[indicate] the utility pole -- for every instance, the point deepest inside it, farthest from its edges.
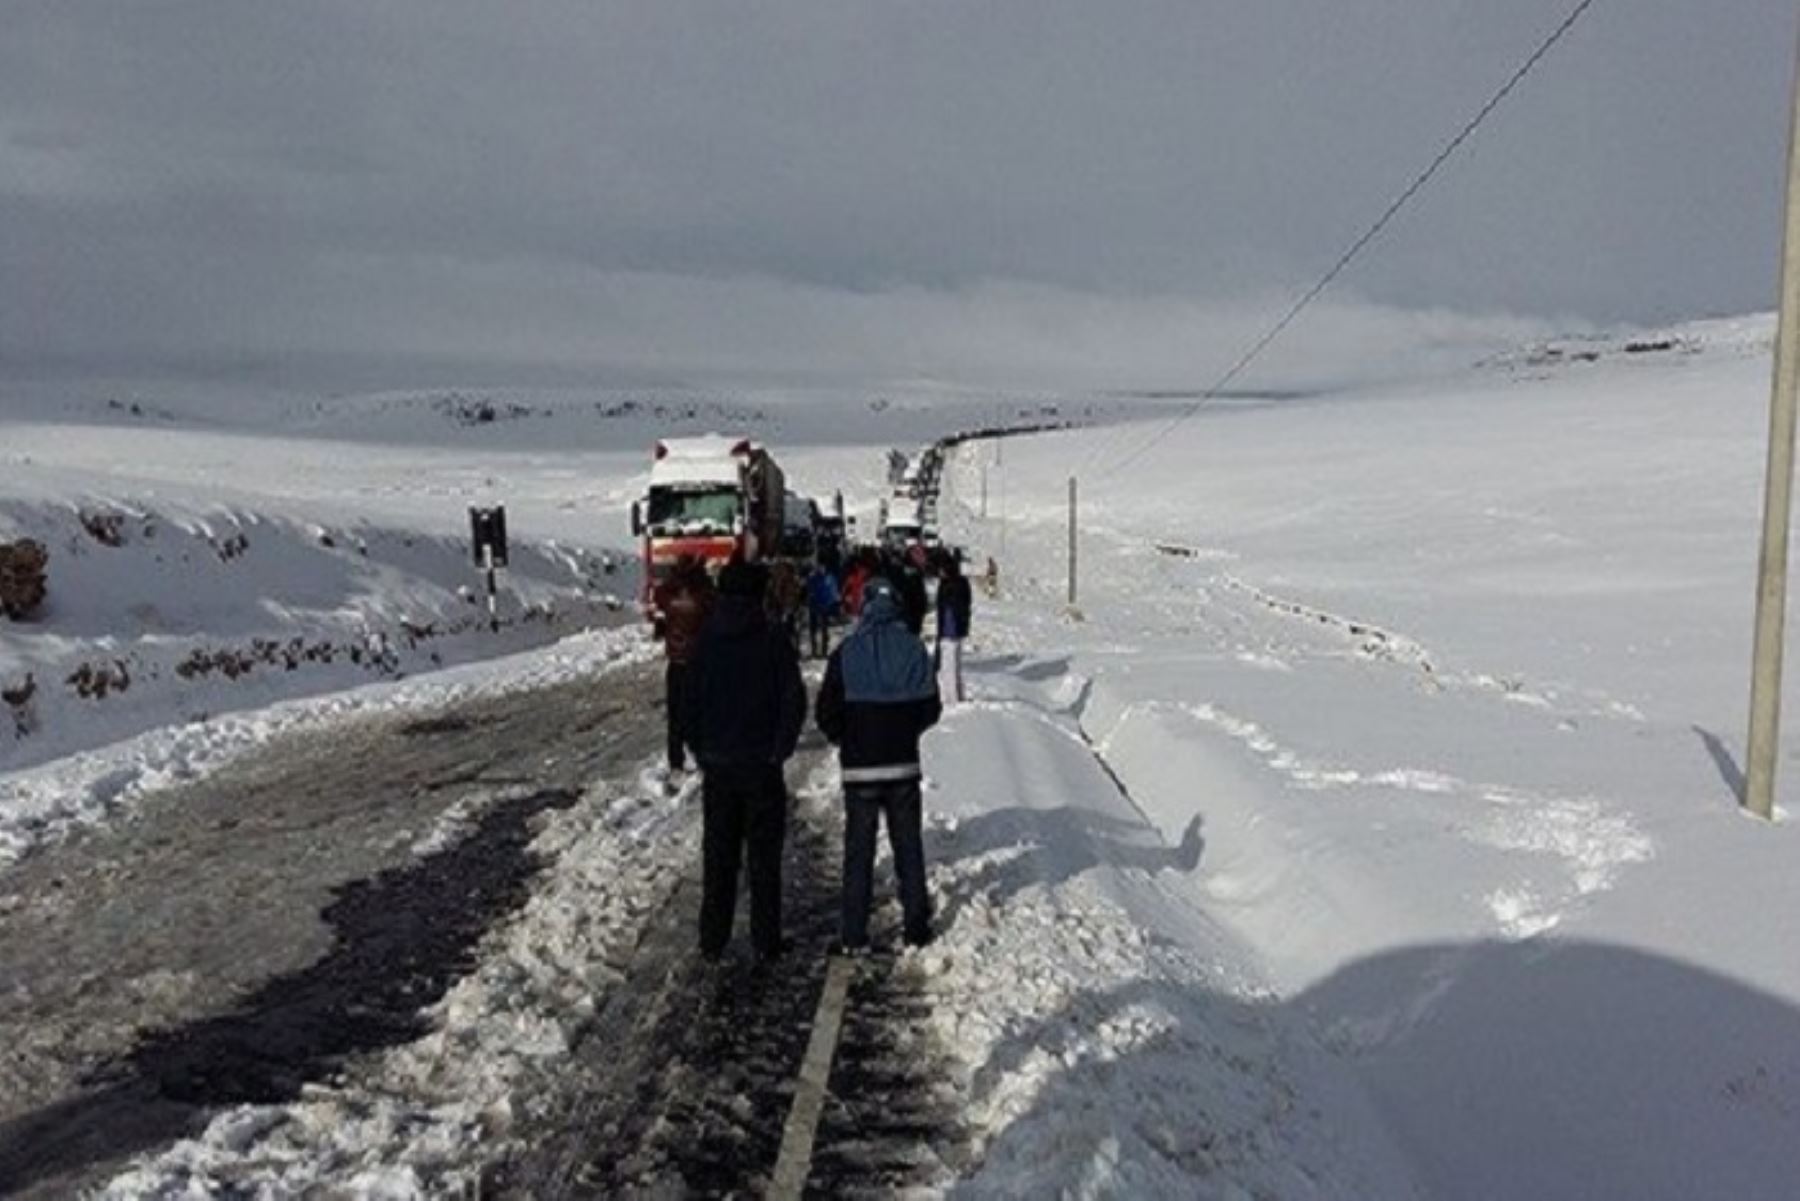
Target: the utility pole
(1771, 590)
(1071, 542)
(998, 443)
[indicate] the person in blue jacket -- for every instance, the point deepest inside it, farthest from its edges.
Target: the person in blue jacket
(878, 699)
(822, 601)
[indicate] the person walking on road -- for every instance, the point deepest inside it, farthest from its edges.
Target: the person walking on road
(684, 600)
(821, 608)
(955, 604)
(746, 704)
(879, 697)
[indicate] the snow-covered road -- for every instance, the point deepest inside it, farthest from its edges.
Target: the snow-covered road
(403, 954)
(437, 948)
(247, 935)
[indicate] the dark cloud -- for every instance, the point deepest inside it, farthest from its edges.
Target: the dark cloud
(193, 177)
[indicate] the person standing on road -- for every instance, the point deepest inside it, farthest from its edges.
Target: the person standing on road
(955, 604)
(821, 608)
(879, 697)
(909, 585)
(746, 704)
(684, 600)
(858, 575)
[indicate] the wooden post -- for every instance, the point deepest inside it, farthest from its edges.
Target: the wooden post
(1771, 590)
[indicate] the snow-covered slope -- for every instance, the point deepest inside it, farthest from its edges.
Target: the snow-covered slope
(1448, 682)
(160, 614)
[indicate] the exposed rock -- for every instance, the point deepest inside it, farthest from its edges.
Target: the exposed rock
(24, 578)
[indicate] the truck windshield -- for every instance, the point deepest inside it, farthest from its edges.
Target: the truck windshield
(696, 511)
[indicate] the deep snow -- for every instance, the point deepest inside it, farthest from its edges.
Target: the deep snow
(1453, 676)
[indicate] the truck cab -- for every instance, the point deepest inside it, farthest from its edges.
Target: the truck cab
(712, 497)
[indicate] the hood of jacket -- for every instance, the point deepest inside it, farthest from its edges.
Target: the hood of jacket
(883, 661)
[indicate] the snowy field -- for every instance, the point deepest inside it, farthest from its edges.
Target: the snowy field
(1434, 697)
(1368, 830)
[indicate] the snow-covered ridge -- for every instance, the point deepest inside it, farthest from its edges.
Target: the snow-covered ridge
(482, 420)
(1721, 337)
(159, 613)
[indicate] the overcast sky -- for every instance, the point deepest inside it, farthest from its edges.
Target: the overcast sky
(912, 187)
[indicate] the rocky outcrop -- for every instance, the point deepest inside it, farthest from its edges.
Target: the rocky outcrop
(24, 578)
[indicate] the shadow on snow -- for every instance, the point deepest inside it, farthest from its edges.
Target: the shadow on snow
(1541, 1069)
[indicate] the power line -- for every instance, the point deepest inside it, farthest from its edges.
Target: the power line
(1356, 248)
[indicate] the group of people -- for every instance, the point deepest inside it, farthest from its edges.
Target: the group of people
(837, 595)
(736, 699)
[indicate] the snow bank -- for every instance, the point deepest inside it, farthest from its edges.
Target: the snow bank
(1116, 1042)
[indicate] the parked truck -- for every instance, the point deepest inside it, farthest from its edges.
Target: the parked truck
(800, 535)
(712, 497)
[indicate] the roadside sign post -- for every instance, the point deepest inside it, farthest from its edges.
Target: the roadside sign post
(487, 532)
(1771, 589)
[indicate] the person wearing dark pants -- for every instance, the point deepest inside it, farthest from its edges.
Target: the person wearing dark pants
(878, 699)
(955, 603)
(675, 690)
(743, 705)
(865, 806)
(683, 601)
(744, 807)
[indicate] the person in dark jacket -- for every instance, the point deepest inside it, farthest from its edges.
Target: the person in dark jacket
(746, 704)
(879, 697)
(955, 606)
(684, 601)
(909, 586)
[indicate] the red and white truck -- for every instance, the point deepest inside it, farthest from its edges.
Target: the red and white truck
(713, 497)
